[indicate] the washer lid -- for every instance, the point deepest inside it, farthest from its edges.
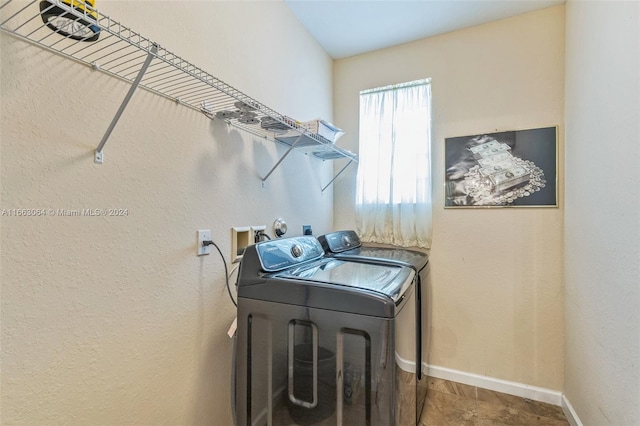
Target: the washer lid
(347, 245)
(413, 258)
(389, 280)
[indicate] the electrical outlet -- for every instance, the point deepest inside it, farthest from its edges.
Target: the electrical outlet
(204, 235)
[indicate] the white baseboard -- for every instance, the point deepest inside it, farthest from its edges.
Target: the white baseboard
(405, 364)
(569, 412)
(512, 388)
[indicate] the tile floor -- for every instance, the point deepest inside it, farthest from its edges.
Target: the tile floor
(455, 404)
(452, 404)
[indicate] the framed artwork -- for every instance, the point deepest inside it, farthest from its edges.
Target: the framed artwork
(516, 168)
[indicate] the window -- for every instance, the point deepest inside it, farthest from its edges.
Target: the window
(393, 193)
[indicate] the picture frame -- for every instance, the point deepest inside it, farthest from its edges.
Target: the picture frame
(517, 168)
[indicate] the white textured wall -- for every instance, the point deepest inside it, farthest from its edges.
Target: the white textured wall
(602, 216)
(497, 273)
(114, 320)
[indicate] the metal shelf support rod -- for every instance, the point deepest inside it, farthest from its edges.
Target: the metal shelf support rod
(336, 176)
(98, 154)
(282, 158)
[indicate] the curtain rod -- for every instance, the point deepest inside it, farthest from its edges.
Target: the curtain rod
(421, 82)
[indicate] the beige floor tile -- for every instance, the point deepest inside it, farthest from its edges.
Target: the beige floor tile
(453, 388)
(455, 409)
(454, 404)
(450, 403)
(500, 415)
(520, 404)
(547, 410)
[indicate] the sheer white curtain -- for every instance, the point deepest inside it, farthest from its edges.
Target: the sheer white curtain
(393, 194)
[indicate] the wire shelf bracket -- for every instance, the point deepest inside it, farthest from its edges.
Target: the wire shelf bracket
(337, 174)
(131, 57)
(99, 157)
(293, 145)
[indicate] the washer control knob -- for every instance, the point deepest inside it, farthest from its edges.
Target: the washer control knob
(346, 241)
(296, 250)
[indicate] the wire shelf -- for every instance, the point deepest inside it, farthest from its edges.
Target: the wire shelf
(126, 54)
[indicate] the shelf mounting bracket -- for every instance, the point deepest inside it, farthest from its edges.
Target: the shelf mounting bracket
(99, 157)
(337, 174)
(264, 179)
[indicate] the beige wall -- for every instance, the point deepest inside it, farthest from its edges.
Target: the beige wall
(497, 307)
(114, 320)
(602, 231)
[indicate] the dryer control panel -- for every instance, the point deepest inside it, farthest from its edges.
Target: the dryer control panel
(337, 242)
(276, 255)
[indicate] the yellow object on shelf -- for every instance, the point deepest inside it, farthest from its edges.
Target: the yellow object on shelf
(66, 23)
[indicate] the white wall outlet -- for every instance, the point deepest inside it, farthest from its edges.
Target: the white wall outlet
(204, 235)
